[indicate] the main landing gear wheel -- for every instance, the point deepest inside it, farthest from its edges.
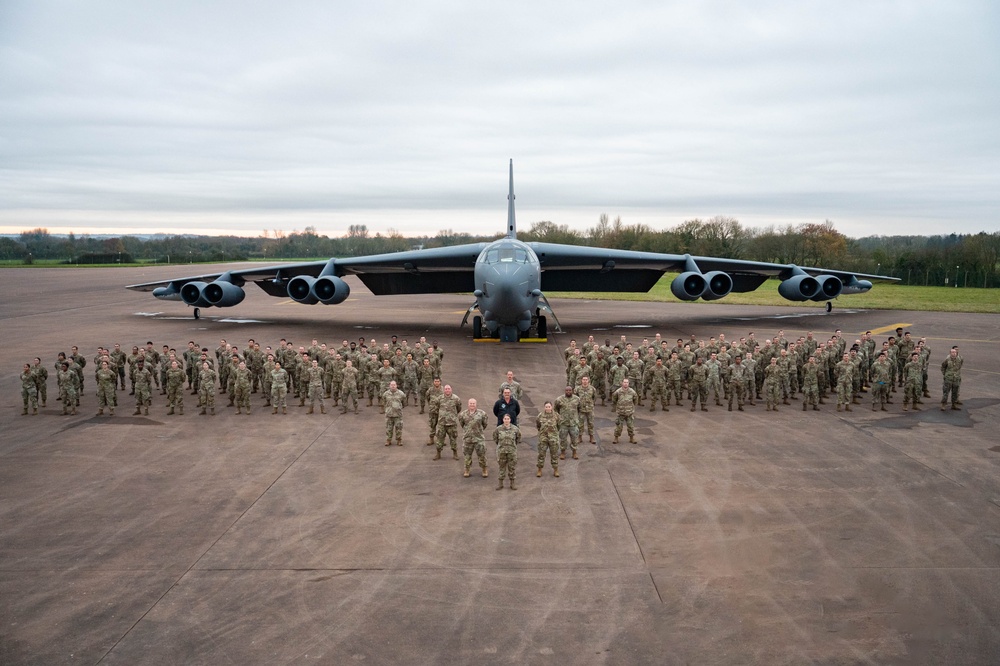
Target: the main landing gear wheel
(829, 306)
(197, 313)
(477, 327)
(543, 329)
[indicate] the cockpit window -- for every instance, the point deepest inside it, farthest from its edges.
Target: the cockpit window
(506, 255)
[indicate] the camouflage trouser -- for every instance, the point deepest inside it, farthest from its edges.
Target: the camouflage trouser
(844, 394)
(143, 396)
(279, 392)
(810, 394)
(422, 391)
(573, 432)
(393, 427)
(242, 395)
(372, 390)
(627, 420)
(699, 391)
(772, 392)
(410, 388)
(737, 390)
(316, 393)
(335, 388)
(600, 387)
(659, 392)
(175, 394)
(432, 419)
(68, 396)
(950, 390)
(507, 459)
(106, 395)
(587, 419)
(30, 397)
(445, 431)
(880, 393)
(911, 391)
(548, 443)
(792, 383)
(43, 392)
(206, 395)
(477, 445)
(715, 387)
(675, 389)
(349, 392)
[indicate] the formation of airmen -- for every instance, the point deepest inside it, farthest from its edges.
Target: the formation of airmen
(744, 371)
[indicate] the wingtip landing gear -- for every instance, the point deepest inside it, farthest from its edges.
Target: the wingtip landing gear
(197, 313)
(829, 306)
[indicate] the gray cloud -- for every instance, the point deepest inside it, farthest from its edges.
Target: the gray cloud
(879, 116)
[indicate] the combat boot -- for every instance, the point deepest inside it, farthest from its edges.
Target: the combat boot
(555, 471)
(302, 402)
(312, 409)
(785, 402)
(100, 412)
(804, 405)
(73, 412)
(399, 441)
(180, 410)
(838, 407)
(170, 411)
(500, 485)
(111, 411)
(915, 408)
(388, 442)
(344, 409)
(816, 408)
(213, 411)
(454, 454)
(576, 455)
(65, 411)
(465, 474)
(421, 409)
(239, 411)
(248, 411)
(615, 440)
(631, 439)
(369, 401)
(513, 486)
(284, 410)
(539, 472)
(943, 407)
(847, 407)
(355, 409)
(273, 411)
(592, 441)
(692, 407)
(322, 409)
(704, 408)
(204, 410)
(437, 455)
(485, 473)
(137, 412)
(562, 455)
(24, 412)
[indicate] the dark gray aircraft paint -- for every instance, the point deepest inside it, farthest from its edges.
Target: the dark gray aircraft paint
(509, 278)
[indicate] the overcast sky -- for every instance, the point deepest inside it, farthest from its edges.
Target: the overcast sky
(235, 117)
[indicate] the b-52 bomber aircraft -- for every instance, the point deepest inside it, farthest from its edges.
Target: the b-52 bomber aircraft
(508, 278)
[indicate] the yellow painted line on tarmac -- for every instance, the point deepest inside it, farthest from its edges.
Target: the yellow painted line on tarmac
(887, 329)
(288, 302)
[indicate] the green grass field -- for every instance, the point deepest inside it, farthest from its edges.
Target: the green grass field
(883, 296)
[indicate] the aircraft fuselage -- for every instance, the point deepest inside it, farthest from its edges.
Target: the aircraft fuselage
(508, 278)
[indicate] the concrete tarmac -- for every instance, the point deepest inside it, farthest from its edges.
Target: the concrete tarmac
(719, 538)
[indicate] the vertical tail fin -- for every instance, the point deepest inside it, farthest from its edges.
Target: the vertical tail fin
(511, 225)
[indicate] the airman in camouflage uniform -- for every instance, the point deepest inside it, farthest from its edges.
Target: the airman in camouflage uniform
(516, 390)
(107, 382)
(69, 387)
(349, 386)
(314, 388)
(912, 379)
(881, 376)
(675, 383)
(449, 407)
(393, 400)
(845, 382)
(772, 384)
(567, 406)
(624, 400)
(411, 382)
(635, 370)
(241, 386)
(206, 385)
(279, 389)
(657, 384)
(507, 437)
(29, 391)
(425, 378)
(547, 423)
(41, 375)
(174, 384)
(810, 384)
(698, 383)
(714, 382)
(951, 369)
(737, 383)
(474, 422)
(587, 396)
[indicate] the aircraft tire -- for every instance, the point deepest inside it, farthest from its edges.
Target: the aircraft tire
(543, 328)
(829, 306)
(197, 313)
(477, 327)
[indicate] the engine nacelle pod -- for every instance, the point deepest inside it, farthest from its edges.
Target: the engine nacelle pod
(193, 293)
(717, 285)
(331, 290)
(830, 286)
(799, 288)
(223, 294)
(300, 290)
(688, 286)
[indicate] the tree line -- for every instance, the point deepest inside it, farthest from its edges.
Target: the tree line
(965, 260)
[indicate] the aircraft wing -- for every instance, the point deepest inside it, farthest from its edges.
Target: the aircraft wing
(435, 270)
(584, 268)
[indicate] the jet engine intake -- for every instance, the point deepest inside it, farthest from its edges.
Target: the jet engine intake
(799, 288)
(331, 290)
(830, 286)
(300, 290)
(717, 285)
(193, 293)
(689, 286)
(223, 294)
